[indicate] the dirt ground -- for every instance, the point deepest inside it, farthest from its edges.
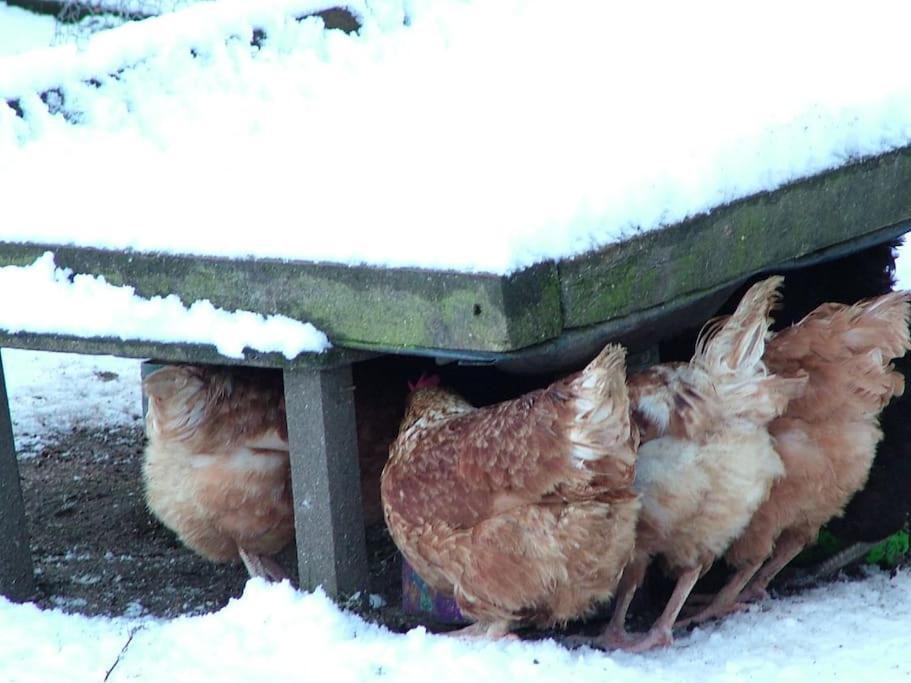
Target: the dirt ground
(96, 548)
(98, 551)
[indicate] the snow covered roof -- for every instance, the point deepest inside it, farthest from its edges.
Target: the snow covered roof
(450, 134)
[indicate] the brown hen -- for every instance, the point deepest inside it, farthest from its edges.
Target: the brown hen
(826, 439)
(523, 511)
(216, 467)
(706, 460)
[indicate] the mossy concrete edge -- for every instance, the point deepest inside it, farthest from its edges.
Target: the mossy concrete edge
(737, 240)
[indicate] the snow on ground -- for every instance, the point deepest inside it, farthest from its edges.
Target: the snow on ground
(843, 631)
(475, 135)
(87, 306)
(53, 393)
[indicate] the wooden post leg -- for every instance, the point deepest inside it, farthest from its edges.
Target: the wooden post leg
(325, 478)
(17, 580)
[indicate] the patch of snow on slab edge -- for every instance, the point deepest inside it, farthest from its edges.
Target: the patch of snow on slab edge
(60, 302)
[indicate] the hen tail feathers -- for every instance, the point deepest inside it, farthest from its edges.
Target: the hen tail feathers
(734, 345)
(601, 428)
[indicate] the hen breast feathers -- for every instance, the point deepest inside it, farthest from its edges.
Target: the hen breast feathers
(524, 511)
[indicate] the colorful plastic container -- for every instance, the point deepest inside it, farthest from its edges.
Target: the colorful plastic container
(420, 599)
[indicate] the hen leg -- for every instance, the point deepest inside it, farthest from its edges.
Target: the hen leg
(786, 549)
(661, 632)
(725, 601)
(733, 597)
(262, 566)
(615, 635)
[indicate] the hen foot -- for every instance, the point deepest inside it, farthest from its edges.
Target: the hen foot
(262, 566)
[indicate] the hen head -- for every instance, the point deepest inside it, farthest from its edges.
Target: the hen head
(429, 403)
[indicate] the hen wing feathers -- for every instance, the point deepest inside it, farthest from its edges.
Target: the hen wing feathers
(569, 442)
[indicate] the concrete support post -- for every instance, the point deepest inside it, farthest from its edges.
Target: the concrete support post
(325, 479)
(17, 580)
